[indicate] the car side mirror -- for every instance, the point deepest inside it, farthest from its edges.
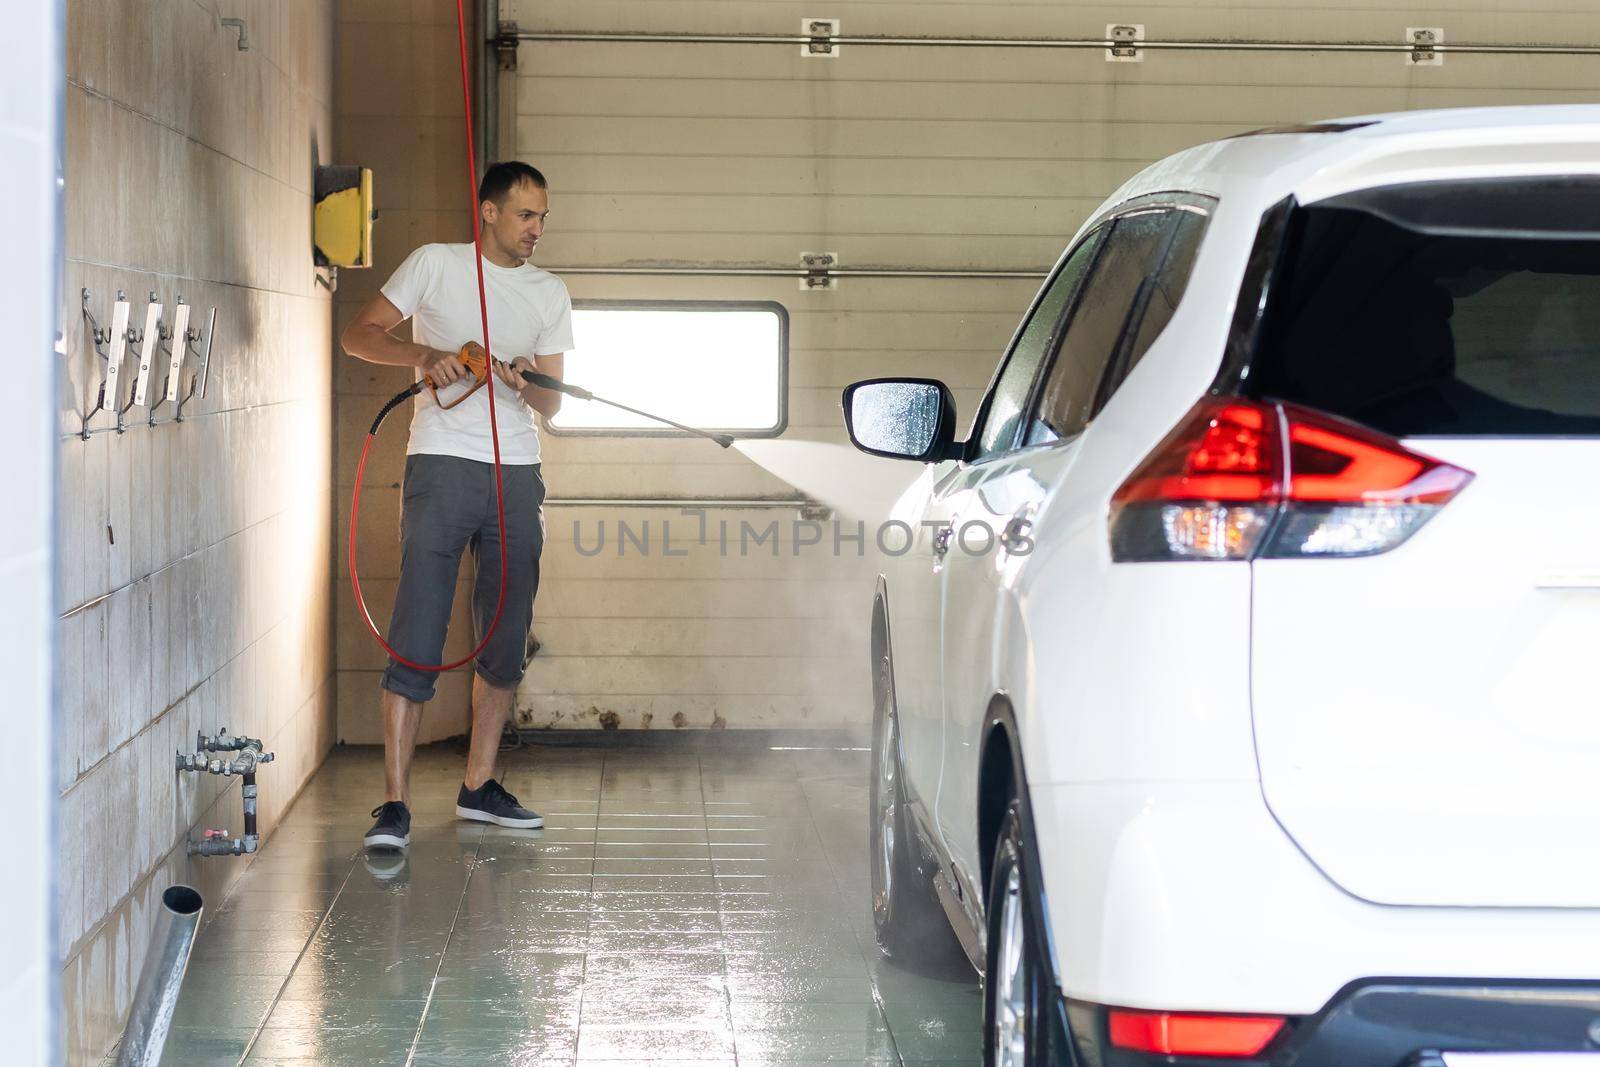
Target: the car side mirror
(901, 418)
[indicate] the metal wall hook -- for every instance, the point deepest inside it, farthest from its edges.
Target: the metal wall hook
(191, 339)
(99, 336)
(175, 345)
(149, 344)
(139, 350)
(131, 338)
(116, 337)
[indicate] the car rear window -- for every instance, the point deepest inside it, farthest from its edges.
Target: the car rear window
(1454, 309)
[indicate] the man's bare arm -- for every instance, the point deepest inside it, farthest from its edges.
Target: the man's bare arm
(545, 401)
(368, 337)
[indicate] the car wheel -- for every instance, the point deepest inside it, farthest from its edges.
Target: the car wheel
(1013, 995)
(904, 910)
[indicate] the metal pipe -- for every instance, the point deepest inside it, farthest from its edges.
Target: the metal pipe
(223, 845)
(161, 979)
(487, 117)
(223, 741)
(88, 604)
(871, 40)
(250, 804)
(245, 764)
(545, 381)
(798, 272)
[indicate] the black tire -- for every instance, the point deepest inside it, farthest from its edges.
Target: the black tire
(1015, 973)
(906, 918)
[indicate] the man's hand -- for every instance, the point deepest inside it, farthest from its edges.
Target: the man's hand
(443, 368)
(511, 373)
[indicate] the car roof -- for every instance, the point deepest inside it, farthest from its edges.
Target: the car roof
(1323, 159)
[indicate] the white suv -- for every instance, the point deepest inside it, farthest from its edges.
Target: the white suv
(1238, 698)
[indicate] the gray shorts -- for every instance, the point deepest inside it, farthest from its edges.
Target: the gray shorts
(448, 505)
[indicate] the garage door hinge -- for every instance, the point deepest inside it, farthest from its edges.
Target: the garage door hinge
(818, 267)
(1425, 44)
(505, 45)
(1125, 43)
(821, 33)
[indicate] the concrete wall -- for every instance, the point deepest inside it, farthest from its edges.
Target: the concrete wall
(194, 556)
(698, 154)
(398, 100)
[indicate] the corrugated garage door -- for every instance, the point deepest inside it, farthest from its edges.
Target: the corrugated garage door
(960, 158)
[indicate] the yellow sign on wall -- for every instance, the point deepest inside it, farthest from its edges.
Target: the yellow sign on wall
(342, 219)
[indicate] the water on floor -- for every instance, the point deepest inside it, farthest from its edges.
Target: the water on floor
(706, 906)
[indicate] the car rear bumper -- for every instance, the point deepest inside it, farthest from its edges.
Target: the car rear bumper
(1190, 897)
(1394, 1023)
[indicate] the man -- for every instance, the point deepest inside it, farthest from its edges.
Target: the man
(448, 501)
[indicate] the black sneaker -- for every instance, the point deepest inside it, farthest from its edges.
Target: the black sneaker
(393, 828)
(491, 803)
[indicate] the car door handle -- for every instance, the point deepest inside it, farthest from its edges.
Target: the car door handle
(941, 540)
(1015, 535)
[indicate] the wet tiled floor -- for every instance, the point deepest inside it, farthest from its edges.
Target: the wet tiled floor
(705, 906)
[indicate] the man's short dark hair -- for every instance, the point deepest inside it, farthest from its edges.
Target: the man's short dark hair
(501, 178)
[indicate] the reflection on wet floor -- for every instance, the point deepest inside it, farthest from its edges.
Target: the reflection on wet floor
(704, 906)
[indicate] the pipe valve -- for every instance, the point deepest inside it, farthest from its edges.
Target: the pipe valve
(222, 741)
(247, 756)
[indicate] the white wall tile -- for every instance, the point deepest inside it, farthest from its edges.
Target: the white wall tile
(192, 634)
(71, 644)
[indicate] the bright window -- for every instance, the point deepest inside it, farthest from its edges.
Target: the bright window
(715, 366)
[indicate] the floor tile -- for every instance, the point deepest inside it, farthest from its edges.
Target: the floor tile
(189, 1046)
(655, 1043)
(678, 907)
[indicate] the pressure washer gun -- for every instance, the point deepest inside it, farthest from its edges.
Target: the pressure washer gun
(479, 369)
(476, 365)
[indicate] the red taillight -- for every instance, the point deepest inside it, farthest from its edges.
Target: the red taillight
(1223, 451)
(1333, 461)
(1222, 485)
(1183, 1034)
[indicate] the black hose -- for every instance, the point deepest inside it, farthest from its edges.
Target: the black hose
(399, 398)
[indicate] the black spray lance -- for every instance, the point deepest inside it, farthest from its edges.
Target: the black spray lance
(544, 381)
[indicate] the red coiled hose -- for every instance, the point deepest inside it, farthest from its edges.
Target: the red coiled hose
(494, 428)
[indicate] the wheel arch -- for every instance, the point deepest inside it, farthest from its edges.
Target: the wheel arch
(1000, 778)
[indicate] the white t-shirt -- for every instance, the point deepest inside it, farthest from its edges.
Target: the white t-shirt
(530, 314)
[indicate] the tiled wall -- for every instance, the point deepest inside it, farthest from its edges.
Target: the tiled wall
(398, 100)
(194, 556)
